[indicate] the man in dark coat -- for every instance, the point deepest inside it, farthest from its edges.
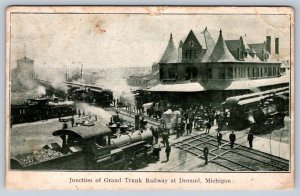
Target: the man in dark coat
(156, 135)
(165, 137)
(65, 125)
(156, 152)
(219, 138)
(232, 139)
(72, 121)
(168, 150)
(250, 138)
(205, 153)
(208, 127)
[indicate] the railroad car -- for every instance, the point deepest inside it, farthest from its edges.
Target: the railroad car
(91, 94)
(41, 109)
(88, 148)
(262, 110)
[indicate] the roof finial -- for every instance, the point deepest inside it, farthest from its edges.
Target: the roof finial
(220, 31)
(245, 34)
(205, 28)
(171, 37)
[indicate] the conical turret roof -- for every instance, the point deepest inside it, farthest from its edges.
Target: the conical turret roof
(170, 54)
(220, 52)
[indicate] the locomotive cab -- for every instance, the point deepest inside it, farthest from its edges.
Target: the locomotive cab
(93, 141)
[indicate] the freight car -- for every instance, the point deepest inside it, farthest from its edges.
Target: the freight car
(262, 110)
(41, 109)
(87, 148)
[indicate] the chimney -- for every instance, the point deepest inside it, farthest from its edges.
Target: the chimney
(276, 45)
(268, 44)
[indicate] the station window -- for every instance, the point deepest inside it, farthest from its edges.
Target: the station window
(270, 71)
(209, 73)
(194, 72)
(161, 74)
(235, 73)
(171, 73)
(188, 54)
(222, 73)
(265, 71)
(248, 74)
(230, 72)
(195, 54)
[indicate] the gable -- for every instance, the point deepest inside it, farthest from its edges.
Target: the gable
(191, 42)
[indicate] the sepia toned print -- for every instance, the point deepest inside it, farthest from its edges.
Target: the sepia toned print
(159, 97)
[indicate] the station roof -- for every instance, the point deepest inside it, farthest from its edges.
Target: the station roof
(84, 132)
(170, 55)
(185, 87)
(220, 52)
(251, 84)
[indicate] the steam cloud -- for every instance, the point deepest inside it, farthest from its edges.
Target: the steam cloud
(88, 109)
(118, 84)
(55, 76)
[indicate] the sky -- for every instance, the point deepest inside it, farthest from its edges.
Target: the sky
(123, 40)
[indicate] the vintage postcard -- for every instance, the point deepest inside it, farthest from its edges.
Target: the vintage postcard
(149, 98)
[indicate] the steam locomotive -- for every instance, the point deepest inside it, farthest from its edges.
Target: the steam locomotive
(88, 148)
(90, 94)
(261, 111)
(41, 109)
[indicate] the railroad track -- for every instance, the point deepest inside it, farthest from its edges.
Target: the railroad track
(240, 158)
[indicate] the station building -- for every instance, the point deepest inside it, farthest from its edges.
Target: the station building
(202, 69)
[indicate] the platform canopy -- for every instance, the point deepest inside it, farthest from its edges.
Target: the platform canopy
(186, 87)
(250, 84)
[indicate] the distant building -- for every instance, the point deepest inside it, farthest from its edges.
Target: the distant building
(25, 69)
(23, 76)
(138, 81)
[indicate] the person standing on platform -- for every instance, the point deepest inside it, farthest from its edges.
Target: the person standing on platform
(250, 138)
(65, 125)
(219, 138)
(205, 153)
(208, 127)
(168, 151)
(191, 126)
(153, 133)
(165, 137)
(72, 121)
(188, 123)
(232, 139)
(156, 135)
